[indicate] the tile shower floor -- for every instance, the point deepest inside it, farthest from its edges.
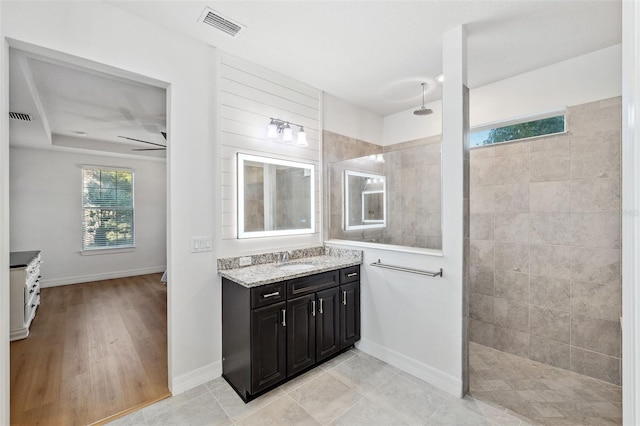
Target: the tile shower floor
(543, 394)
(351, 389)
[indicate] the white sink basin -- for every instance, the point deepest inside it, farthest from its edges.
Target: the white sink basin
(296, 267)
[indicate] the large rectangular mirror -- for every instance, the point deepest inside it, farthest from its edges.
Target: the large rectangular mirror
(365, 200)
(275, 197)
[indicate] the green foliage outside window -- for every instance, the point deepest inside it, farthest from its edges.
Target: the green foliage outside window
(107, 201)
(545, 126)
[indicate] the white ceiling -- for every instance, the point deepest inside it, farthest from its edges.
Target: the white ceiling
(375, 54)
(81, 108)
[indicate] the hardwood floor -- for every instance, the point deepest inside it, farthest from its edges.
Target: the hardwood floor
(94, 350)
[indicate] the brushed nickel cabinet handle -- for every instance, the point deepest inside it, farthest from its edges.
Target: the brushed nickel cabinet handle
(284, 317)
(344, 297)
(313, 308)
(353, 274)
(275, 293)
(321, 311)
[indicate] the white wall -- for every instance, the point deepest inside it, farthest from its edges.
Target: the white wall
(108, 35)
(590, 77)
(45, 187)
(249, 96)
(341, 117)
(631, 213)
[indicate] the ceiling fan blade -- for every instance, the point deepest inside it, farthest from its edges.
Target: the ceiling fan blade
(139, 140)
(149, 149)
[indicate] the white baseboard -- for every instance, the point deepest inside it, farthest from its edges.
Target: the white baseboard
(98, 277)
(438, 378)
(196, 377)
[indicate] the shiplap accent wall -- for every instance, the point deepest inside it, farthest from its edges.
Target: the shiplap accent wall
(248, 96)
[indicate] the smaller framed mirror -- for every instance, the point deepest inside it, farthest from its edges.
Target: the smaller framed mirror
(275, 197)
(365, 200)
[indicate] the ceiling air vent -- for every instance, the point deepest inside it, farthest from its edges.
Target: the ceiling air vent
(19, 116)
(214, 19)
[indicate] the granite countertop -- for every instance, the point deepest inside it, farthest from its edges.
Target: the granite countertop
(266, 273)
(20, 259)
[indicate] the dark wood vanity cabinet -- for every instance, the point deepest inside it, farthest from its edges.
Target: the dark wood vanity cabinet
(293, 326)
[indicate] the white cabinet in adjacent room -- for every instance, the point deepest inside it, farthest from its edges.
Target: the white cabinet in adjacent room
(25, 291)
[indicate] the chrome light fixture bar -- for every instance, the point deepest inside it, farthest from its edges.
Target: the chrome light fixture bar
(280, 130)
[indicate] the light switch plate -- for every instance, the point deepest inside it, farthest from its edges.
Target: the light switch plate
(245, 261)
(200, 244)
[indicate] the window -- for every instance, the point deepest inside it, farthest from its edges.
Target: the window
(107, 208)
(518, 130)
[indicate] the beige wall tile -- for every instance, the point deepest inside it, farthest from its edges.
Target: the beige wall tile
(512, 227)
(551, 261)
(597, 335)
(550, 292)
(595, 195)
(511, 314)
(596, 365)
(596, 300)
(481, 280)
(481, 171)
(549, 352)
(596, 136)
(511, 341)
(550, 165)
(595, 161)
(550, 197)
(512, 285)
(550, 228)
(511, 169)
(550, 143)
(582, 120)
(512, 198)
(481, 332)
(481, 226)
(596, 265)
(595, 230)
(481, 307)
(510, 148)
(481, 253)
(550, 324)
(482, 199)
(512, 257)
(482, 152)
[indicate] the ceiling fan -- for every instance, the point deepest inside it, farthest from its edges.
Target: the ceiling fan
(162, 147)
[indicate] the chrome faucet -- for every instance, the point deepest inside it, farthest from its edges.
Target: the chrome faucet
(283, 256)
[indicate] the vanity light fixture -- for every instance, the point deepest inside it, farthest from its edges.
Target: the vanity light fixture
(280, 130)
(376, 158)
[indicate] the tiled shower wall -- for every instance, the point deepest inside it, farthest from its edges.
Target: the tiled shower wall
(545, 242)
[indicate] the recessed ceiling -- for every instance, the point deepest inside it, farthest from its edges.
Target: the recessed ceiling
(375, 54)
(82, 108)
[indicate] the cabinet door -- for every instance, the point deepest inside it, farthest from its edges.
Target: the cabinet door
(327, 323)
(349, 314)
(268, 346)
(301, 333)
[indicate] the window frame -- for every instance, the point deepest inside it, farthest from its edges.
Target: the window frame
(107, 249)
(520, 120)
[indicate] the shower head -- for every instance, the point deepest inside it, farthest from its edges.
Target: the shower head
(423, 110)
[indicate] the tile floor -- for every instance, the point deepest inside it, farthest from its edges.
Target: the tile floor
(352, 389)
(541, 393)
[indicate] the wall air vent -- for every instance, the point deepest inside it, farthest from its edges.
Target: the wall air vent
(214, 19)
(19, 116)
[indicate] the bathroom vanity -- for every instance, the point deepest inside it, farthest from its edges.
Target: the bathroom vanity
(287, 319)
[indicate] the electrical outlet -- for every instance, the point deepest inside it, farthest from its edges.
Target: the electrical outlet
(245, 261)
(200, 244)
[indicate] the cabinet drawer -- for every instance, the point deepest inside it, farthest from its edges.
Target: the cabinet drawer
(312, 283)
(267, 294)
(351, 274)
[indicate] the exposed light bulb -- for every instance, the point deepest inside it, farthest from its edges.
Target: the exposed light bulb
(440, 78)
(287, 133)
(369, 181)
(379, 158)
(302, 137)
(272, 130)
